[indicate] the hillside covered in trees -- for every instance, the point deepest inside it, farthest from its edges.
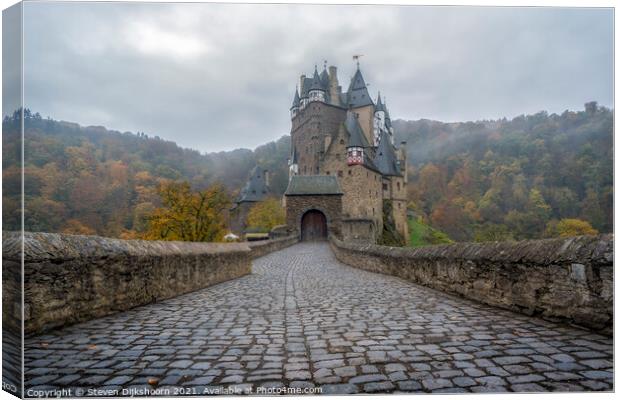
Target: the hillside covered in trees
(487, 180)
(92, 180)
(512, 179)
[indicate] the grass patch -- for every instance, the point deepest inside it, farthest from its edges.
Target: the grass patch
(421, 234)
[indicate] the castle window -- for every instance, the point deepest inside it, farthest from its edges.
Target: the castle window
(350, 172)
(398, 185)
(327, 172)
(385, 186)
(340, 174)
(341, 141)
(398, 205)
(317, 170)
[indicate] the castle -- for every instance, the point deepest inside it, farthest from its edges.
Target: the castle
(346, 176)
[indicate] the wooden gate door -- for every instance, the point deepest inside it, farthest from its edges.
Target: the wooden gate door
(313, 226)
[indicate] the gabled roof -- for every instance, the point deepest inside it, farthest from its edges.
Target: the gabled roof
(357, 95)
(255, 189)
(295, 99)
(385, 158)
(357, 138)
(306, 185)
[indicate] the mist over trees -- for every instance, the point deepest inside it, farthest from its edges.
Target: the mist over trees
(529, 177)
(512, 179)
(90, 180)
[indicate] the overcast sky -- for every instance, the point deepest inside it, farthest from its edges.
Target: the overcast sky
(220, 76)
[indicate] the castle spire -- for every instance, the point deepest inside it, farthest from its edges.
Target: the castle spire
(358, 95)
(316, 80)
(295, 99)
(380, 106)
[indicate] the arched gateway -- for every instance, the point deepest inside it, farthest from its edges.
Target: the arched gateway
(313, 226)
(314, 206)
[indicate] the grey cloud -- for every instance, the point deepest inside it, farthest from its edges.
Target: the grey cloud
(222, 76)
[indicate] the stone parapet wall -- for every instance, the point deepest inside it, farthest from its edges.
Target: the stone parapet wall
(261, 248)
(568, 279)
(72, 278)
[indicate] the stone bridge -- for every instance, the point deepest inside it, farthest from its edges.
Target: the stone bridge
(304, 321)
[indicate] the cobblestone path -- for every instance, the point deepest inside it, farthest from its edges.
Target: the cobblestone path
(302, 319)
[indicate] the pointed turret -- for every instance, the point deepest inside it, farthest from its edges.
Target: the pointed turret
(379, 106)
(316, 81)
(295, 100)
(296, 103)
(358, 92)
(357, 143)
(325, 79)
(316, 92)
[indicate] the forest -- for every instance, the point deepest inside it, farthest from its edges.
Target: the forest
(512, 179)
(90, 180)
(527, 177)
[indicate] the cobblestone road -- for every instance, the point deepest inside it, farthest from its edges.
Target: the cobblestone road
(302, 319)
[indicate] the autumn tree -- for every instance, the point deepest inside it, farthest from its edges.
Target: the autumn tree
(569, 227)
(265, 215)
(186, 215)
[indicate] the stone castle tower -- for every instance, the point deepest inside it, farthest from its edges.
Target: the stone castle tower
(345, 141)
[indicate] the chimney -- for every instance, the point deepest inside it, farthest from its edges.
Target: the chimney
(334, 89)
(302, 78)
(266, 175)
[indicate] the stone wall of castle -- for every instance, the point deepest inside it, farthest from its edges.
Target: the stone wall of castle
(309, 132)
(361, 186)
(399, 204)
(366, 118)
(569, 279)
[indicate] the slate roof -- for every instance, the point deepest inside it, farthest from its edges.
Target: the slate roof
(305, 87)
(295, 99)
(255, 189)
(324, 79)
(358, 92)
(306, 185)
(316, 81)
(356, 135)
(385, 158)
(379, 106)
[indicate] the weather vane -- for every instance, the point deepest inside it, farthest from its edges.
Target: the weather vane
(356, 57)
